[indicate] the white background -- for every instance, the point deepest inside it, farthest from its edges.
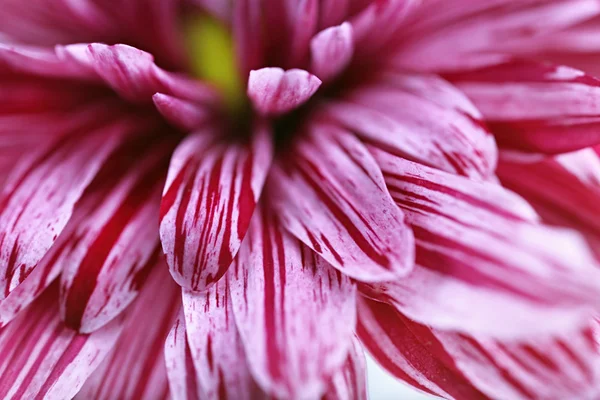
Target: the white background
(383, 386)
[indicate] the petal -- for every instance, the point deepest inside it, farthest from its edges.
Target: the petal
(350, 381)
(565, 190)
(108, 251)
(420, 117)
(39, 198)
(295, 313)
(209, 198)
(216, 347)
(532, 107)
(184, 114)
(475, 240)
(332, 51)
(180, 367)
(346, 213)
(42, 358)
(274, 91)
(135, 369)
(451, 365)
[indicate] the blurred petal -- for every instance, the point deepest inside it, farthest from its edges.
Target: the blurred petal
(350, 381)
(475, 240)
(295, 313)
(135, 369)
(42, 358)
(209, 198)
(420, 117)
(364, 236)
(463, 367)
(332, 51)
(532, 107)
(216, 347)
(184, 114)
(274, 91)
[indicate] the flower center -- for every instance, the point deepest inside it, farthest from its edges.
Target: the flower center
(213, 59)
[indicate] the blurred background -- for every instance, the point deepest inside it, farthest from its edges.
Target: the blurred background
(383, 386)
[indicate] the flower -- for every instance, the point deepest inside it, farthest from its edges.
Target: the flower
(334, 175)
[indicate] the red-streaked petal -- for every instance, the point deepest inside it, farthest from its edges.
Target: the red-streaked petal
(215, 345)
(294, 312)
(331, 51)
(420, 117)
(565, 190)
(136, 367)
(274, 91)
(42, 358)
(346, 213)
(209, 198)
(350, 381)
(474, 239)
(457, 366)
(107, 248)
(39, 198)
(180, 367)
(133, 73)
(533, 107)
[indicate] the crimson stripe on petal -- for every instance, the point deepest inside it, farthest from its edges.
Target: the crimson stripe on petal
(452, 365)
(135, 369)
(216, 347)
(477, 240)
(41, 358)
(295, 313)
(330, 193)
(39, 198)
(350, 381)
(534, 107)
(209, 198)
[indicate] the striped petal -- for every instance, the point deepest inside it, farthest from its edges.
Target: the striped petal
(350, 381)
(536, 108)
(420, 117)
(274, 91)
(42, 358)
(216, 347)
(565, 190)
(346, 214)
(484, 264)
(180, 367)
(457, 366)
(39, 198)
(135, 369)
(209, 198)
(295, 313)
(332, 51)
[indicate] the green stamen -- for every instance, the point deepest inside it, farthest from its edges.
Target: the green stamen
(213, 58)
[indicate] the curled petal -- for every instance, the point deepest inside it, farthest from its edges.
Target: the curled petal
(209, 198)
(362, 235)
(331, 51)
(274, 91)
(294, 312)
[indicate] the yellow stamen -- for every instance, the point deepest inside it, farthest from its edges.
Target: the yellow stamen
(213, 58)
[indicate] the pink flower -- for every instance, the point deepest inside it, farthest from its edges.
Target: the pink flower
(359, 188)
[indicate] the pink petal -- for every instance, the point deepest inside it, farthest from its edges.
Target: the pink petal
(41, 358)
(135, 369)
(565, 190)
(331, 195)
(209, 198)
(477, 241)
(39, 199)
(184, 114)
(472, 34)
(420, 117)
(295, 313)
(180, 367)
(107, 252)
(332, 51)
(534, 107)
(215, 345)
(464, 367)
(221, 9)
(274, 91)
(350, 381)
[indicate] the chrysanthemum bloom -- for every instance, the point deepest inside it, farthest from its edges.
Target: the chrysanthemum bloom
(327, 168)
